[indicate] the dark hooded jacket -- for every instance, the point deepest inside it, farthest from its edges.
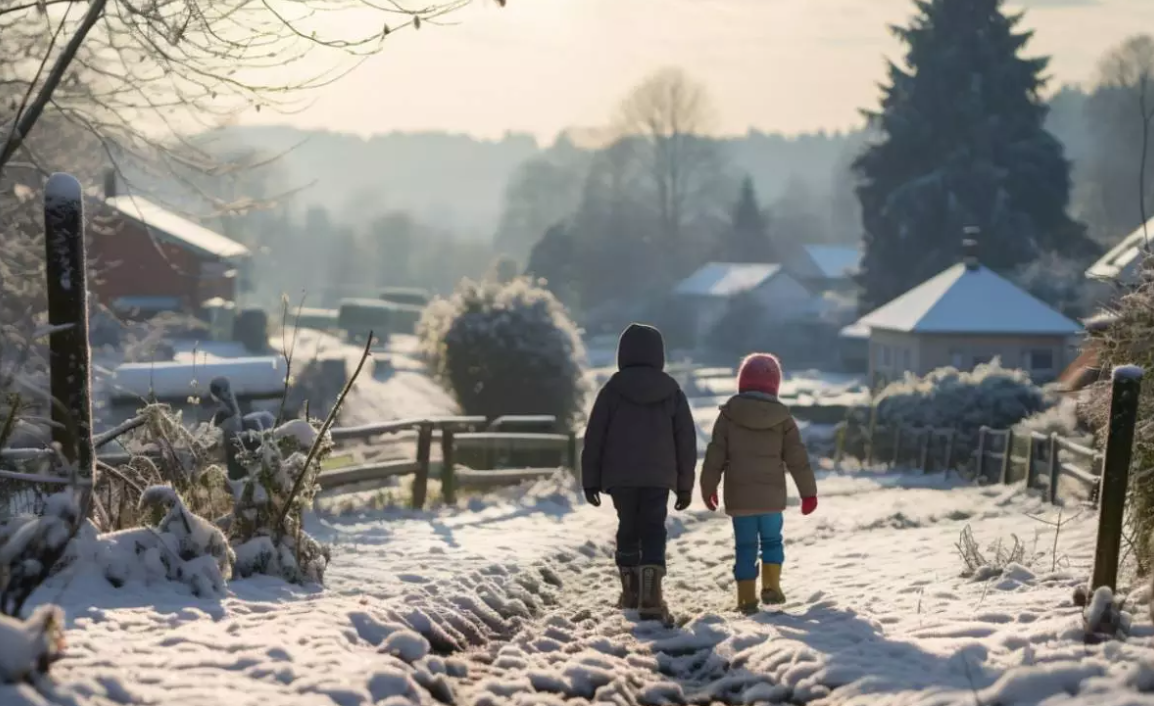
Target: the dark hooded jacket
(641, 433)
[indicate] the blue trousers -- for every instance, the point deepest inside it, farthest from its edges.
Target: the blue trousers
(749, 533)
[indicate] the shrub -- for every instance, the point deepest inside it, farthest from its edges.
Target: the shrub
(1124, 339)
(251, 329)
(990, 395)
(505, 349)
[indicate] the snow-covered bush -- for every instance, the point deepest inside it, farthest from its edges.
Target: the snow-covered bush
(263, 544)
(1061, 419)
(31, 546)
(505, 349)
(29, 647)
(1124, 339)
(946, 398)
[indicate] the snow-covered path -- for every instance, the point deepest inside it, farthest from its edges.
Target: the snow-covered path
(514, 605)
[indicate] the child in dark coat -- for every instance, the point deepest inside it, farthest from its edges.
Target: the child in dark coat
(640, 445)
(755, 443)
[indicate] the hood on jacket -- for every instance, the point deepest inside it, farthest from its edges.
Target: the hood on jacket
(644, 385)
(641, 346)
(755, 411)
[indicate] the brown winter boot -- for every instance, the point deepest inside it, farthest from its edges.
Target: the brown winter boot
(630, 595)
(747, 596)
(652, 604)
(771, 584)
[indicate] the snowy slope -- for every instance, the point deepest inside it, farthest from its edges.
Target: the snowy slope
(517, 596)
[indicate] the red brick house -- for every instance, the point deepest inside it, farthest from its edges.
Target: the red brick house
(149, 259)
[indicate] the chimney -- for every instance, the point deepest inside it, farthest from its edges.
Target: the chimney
(970, 247)
(109, 183)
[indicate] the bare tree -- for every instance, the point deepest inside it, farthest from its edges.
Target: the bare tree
(666, 120)
(1129, 68)
(115, 67)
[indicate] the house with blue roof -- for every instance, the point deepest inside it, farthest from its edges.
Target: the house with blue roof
(965, 316)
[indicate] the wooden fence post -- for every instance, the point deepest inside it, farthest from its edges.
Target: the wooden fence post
(925, 452)
(897, 444)
(950, 436)
(1055, 467)
(448, 467)
(980, 472)
(421, 481)
(69, 356)
(1127, 384)
(1030, 476)
(1008, 457)
(571, 455)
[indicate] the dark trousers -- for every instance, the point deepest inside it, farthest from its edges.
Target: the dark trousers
(641, 516)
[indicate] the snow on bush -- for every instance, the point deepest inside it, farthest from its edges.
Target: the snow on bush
(505, 348)
(29, 647)
(1124, 339)
(263, 544)
(31, 546)
(946, 398)
(1061, 419)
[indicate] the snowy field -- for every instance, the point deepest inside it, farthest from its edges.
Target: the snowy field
(511, 602)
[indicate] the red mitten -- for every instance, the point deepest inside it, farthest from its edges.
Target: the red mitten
(711, 501)
(808, 505)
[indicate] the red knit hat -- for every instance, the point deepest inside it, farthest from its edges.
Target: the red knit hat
(760, 372)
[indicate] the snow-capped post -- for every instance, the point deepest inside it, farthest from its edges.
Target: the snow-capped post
(69, 357)
(1127, 384)
(980, 461)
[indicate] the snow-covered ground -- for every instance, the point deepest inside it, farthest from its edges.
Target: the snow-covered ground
(511, 602)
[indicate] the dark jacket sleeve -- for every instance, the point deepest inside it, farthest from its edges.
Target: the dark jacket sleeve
(685, 437)
(595, 432)
(797, 461)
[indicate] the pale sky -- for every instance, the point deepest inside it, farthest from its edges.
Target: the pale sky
(540, 66)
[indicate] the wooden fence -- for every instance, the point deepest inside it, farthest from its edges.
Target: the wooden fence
(1002, 455)
(493, 448)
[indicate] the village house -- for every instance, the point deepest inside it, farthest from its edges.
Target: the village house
(708, 293)
(1121, 264)
(823, 268)
(149, 259)
(965, 316)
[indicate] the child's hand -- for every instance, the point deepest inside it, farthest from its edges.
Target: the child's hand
(684, 498)
(808, 505)
(711, 501)
(593, 497)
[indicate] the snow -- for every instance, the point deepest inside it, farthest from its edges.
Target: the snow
(965, 301)
(259, 375)
(27, 644)
(1129, 372)
(167, 225)
(726, 279)
(509, 601)
(834, 261)
(1121, 261)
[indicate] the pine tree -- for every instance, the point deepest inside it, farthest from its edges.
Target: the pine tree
(961, 144)
(747, 239)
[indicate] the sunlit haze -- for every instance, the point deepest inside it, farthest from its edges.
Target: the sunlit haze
(776, 65)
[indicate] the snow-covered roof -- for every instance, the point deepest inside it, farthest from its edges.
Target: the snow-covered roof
(834, 261)
(165, 224)
(1122, 259)
(726, 279)
(977, 301)
(854, 330)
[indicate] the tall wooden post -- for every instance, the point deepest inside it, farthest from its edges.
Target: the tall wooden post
(980, 471)
(1127, 384)
(1030, 466)
(69, 353)
(1055, 467)
(424, 450)
(448, 467)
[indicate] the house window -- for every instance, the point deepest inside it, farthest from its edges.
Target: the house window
(884, 355)
(957, 359)
(1040, 359)
(980, 359)
(907, 359)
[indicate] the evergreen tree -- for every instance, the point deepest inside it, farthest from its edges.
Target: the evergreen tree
(747, 239)
(962, 143)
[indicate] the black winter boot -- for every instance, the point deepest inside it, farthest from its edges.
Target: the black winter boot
(630, 591)
(652, 605)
